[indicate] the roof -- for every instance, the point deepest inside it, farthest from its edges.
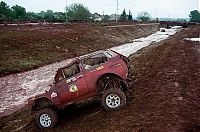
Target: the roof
(108, 53)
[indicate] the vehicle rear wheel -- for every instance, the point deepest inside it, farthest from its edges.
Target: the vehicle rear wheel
(46, 118)
(113, 99)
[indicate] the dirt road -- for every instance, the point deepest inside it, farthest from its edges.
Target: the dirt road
(165, 94)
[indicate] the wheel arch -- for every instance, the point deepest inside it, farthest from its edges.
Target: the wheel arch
(42, 102)
(112, 75)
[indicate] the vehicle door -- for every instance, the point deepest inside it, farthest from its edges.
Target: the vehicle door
(94, 67)
(73, 85)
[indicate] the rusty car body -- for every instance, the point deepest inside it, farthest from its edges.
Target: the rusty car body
(85, 77)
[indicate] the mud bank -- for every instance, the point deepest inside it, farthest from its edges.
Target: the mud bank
(16, 89)
(28, 47)
(164, 95)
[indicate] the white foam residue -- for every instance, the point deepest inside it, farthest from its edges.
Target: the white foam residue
(130, 48)
(17, 88)
(176, 27)
(193, 39)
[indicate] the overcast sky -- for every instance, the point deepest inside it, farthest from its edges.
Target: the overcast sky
(157, 8)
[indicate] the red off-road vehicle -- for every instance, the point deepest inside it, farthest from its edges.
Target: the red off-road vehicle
(102, 74)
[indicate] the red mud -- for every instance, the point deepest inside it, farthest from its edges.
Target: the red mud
(165, 95)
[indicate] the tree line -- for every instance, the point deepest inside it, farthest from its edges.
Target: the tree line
(19, 13)
(74, 12)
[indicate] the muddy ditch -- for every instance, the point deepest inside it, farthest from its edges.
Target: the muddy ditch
(29, 47)
(17, 88)
(164, 95)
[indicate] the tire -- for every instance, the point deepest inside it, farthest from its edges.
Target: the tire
(46, 118)
(113, 99)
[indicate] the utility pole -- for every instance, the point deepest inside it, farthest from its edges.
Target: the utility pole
(156, 13)
(117, 10)
(103, 15)
(66, 12)
(169, 19)
(134, 14)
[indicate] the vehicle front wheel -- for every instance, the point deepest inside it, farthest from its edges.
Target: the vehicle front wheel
(46, 118)
(113, 99)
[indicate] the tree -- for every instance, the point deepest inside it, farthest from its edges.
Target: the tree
(144, 16)
(130, 16)
(194, 16)
(32, 16)
(18, 12)
(78, 12)
(106, 18)
(123, 16)
(5, 11)
(41, 15)
(59, 16)
(49, 15)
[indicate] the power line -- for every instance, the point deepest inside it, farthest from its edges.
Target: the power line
(66, 12)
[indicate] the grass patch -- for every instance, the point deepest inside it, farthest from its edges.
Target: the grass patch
(28, 63)
(20, 65)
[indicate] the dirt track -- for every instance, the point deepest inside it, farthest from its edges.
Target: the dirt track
(165, 94)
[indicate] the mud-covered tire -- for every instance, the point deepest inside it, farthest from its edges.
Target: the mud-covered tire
(46, 118)
(113, 99)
